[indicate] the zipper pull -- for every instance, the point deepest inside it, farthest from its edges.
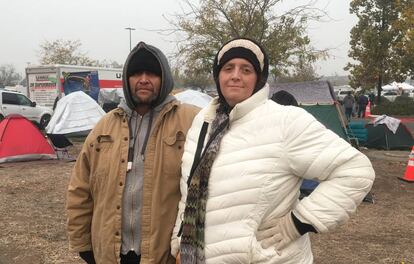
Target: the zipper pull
(130, 158)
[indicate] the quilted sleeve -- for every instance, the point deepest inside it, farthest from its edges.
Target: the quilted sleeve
(345, 174)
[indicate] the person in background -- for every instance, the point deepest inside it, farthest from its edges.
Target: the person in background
(348, 103)
(284, 98)
(244, 159)
(362, 104)
(371, 98)
(124, 189)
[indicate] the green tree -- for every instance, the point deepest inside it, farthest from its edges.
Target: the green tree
(374, 44)
(211, 23)
(8, 75)
(63, 52)
(406, 43)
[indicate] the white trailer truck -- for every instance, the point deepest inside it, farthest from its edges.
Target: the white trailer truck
(47, 83)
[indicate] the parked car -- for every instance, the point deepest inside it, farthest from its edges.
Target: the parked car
(341, 94)
(390, 95)
(16, 103)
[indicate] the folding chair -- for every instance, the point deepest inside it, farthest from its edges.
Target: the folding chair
(60, 144)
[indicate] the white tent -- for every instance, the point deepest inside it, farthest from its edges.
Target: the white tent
(194, 97)
(75, 112)
(398, 86)
(389, 87)
(110, 95)
(405, 86)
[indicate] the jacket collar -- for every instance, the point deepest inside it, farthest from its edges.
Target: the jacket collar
(240, 109)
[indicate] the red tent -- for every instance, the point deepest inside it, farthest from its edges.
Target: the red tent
(20, 140)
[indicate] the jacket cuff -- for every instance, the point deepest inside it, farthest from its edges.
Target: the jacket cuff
(80, 248)
(302, 228)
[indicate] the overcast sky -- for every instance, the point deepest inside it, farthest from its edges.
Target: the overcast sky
(100, 27)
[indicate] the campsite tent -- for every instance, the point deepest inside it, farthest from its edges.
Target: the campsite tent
(317, 98)
(20, 140)
(397, 86)
(75, 112)
(194, 97)
(381, 137)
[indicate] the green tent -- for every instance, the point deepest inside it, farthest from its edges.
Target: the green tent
(329, 116)
(318, 98)
(380, 137)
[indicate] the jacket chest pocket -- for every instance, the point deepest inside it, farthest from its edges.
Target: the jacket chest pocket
(103, 157)
(173, 151)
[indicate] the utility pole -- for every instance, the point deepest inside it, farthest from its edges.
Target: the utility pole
(130, 29)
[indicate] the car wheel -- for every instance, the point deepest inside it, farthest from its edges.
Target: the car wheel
(44, 121)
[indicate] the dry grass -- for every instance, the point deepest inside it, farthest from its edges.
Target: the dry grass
(32, 216)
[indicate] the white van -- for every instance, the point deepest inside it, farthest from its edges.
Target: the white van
(12, 102)
(342, 93)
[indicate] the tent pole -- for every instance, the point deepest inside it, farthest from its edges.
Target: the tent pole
(386, 141)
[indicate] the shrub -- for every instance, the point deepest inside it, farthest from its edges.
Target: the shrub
(383, 100)
(402, 105)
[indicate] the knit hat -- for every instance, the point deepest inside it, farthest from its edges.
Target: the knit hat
(147, 57)
(246, 49)
(144, 60)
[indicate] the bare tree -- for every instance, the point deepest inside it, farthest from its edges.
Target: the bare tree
(8, 75)
(63, 52)
(107, 64)
(206, 26)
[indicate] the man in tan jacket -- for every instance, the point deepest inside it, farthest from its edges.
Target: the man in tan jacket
(124, 190)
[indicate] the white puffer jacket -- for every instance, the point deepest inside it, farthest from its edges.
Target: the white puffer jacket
(257, 174)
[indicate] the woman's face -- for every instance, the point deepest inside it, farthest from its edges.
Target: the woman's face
(237, 79)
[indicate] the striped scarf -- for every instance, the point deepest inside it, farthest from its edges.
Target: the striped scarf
(192, 240)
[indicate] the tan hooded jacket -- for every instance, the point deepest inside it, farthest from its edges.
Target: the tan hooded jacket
(94, 198)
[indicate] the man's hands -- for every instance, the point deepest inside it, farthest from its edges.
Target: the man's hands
(279, 232)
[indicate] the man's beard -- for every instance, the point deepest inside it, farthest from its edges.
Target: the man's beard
(147, 101)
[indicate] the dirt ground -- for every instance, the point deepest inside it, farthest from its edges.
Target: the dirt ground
(32, 216)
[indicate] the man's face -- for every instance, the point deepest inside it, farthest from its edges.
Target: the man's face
(237, 79)
(144, 86)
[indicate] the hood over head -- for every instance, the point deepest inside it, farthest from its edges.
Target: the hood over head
(144, 57)
(246, 49)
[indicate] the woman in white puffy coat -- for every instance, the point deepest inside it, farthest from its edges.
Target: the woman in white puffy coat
(240, 204)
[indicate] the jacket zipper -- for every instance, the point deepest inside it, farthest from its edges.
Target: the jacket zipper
(131, 218)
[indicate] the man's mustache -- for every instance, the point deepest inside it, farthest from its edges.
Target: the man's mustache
(148, 88)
